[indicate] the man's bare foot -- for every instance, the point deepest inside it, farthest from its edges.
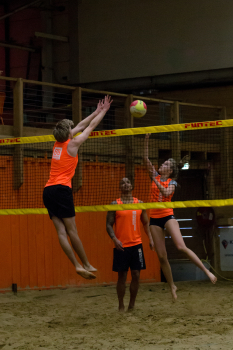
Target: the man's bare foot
(90, 268)
(84, 273)
(130, 308)
(173, 291)
(121, 309)
(212, 278)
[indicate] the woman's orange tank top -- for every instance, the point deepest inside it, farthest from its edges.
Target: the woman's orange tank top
(62, 166)
(127, 225)
(156, 196)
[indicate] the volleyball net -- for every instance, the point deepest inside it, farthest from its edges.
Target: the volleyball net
(110, 155)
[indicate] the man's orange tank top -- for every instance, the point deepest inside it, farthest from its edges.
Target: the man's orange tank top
(62, 166)
(127, 225)
(156, 196)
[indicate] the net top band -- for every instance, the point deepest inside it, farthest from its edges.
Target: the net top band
(129, 131)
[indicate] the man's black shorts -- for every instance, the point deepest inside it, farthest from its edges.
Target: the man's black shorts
(58, 199)
(131, 257)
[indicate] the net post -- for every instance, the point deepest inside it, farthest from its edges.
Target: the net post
(77, 118)
(129, 162)
(175, 136)
(18, 132)
(224, 154)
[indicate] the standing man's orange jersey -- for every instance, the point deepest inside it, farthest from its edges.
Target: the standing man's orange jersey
(128, 225)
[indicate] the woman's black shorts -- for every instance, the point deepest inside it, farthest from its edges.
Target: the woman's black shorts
(161, 221)
(58, 199)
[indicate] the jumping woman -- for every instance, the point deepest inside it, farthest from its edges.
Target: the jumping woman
(162, 189)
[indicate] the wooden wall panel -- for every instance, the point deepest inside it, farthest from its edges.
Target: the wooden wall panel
(40, 251)
(30, 254)
(6, 277)
(15, 249)
(47, 250)
(24, 250)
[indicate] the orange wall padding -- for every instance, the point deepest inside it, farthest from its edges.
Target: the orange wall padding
(100, 183)
(30, 254)
(29, 195)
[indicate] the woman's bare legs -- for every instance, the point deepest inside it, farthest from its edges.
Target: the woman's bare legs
(173, 230)
(159, 242)
(63, 240)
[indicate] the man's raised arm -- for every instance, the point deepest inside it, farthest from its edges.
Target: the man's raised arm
(85, 122)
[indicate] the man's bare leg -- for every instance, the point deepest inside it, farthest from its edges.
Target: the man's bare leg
(134, 285)
(62, 236)
(76, 242)
(122, 275)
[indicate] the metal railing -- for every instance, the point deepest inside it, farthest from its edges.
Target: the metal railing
(30, 107)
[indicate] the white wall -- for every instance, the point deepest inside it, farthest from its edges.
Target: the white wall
(120, 39)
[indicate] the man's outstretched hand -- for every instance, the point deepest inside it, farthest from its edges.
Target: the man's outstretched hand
(107, 103)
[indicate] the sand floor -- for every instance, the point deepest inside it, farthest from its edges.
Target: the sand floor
(87, 318)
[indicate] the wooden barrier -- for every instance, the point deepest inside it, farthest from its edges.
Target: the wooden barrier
(30, 254)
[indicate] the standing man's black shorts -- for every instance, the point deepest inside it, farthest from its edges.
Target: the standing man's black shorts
(58, 199)
(131, 257)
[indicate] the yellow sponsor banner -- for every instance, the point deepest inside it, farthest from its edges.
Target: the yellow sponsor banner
(125, 132)
(23, 140)
(23, 211)
(136, 206)
(161, 205)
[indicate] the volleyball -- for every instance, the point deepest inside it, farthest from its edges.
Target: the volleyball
(138, 109)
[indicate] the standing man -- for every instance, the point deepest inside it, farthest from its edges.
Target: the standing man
(128, 251)
(57, 195)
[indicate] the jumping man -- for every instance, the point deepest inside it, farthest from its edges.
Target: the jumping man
(57, 195)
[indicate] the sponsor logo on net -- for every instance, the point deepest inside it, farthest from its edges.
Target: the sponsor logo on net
(203, 124)
(12, 140)
(103, 133)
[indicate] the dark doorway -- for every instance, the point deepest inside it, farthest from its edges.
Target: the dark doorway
(191, 185)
